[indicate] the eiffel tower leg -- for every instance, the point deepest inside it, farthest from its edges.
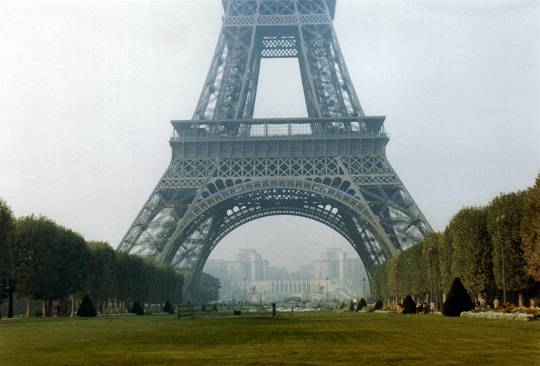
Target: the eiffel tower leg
(327, 84)
(228, 169)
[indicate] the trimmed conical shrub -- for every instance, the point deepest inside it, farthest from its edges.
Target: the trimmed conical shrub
(86, 309)
(168, 308)
(361, 304)
(457, 300)
(409, 306)
(137, 308)
(378, 305)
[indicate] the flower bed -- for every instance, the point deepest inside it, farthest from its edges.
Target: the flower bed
(498, 315)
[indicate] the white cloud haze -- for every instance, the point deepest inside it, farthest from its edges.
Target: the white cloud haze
(87, 90)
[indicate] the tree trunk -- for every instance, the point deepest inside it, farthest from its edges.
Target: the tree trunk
(43, 308)
(28, 307)
(49, 312)
(11, 291)
(72, 306)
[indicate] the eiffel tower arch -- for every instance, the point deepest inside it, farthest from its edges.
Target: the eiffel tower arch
(228, 168)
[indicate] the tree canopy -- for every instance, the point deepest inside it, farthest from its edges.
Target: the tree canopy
(475, 245)
(49, 262)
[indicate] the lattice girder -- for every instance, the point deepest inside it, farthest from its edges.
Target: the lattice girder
(228, 169)
(256, 29)
(235, 206)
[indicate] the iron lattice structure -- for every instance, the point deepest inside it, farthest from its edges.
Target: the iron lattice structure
(228, 169)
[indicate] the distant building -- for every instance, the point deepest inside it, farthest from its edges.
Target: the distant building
(250, 278)
(247, 264)
(335, 265)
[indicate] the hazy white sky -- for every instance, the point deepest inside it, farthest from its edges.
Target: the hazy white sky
(87, 90)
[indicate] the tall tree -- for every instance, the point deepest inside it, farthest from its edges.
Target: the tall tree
(124, 280)
(504, 223)
(35, 236)
(393, 278)
(100, 281)
(7, 255)
(530, 231)
(446, 255)
(433, 262)
(411, 271)
(378, 282)
(206, 290)
(472, 249)
(71, 258)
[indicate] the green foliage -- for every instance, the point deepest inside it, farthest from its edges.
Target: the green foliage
(392, 268)
(409, 306)
(49, 262)
(7, 236)
(137, 308)
(7, 254)
(143, 279)
(457, 300)
(206, 290)
(168, 308)
(70, 258)
(530, 231)
(86, 309)
(37, 273)
(378, 305)
(504, 224)
(432, 262)
(378, 281)
(50, 259)
(100, 279)
(361, 304)
(411, 275)
(472, 249)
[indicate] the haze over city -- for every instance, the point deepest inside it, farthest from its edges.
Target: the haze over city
(88, 90)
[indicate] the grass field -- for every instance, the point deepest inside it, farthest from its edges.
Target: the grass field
(288, 339)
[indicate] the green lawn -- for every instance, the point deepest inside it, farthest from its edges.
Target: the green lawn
(288, 339)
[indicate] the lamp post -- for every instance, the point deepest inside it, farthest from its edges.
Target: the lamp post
(364, 287)
(397, 288)
(500, 220)
(326, 289)
(430, 251)
(244, 297)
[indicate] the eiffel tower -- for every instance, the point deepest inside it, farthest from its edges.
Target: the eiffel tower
(228, 168)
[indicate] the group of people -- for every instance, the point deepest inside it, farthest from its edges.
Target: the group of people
(497, 304)
(481, 302)
(420, 308)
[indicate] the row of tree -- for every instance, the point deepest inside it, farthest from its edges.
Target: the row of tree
(40, 260)
(494, 250)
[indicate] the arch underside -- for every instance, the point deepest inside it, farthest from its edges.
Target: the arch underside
(182, 226)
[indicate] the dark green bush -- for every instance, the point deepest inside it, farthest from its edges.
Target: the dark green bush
(361, 304)
(457, 300)
(86, 309)
(137, 308)
(168, 308)
(409, 306)
(378, 305)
